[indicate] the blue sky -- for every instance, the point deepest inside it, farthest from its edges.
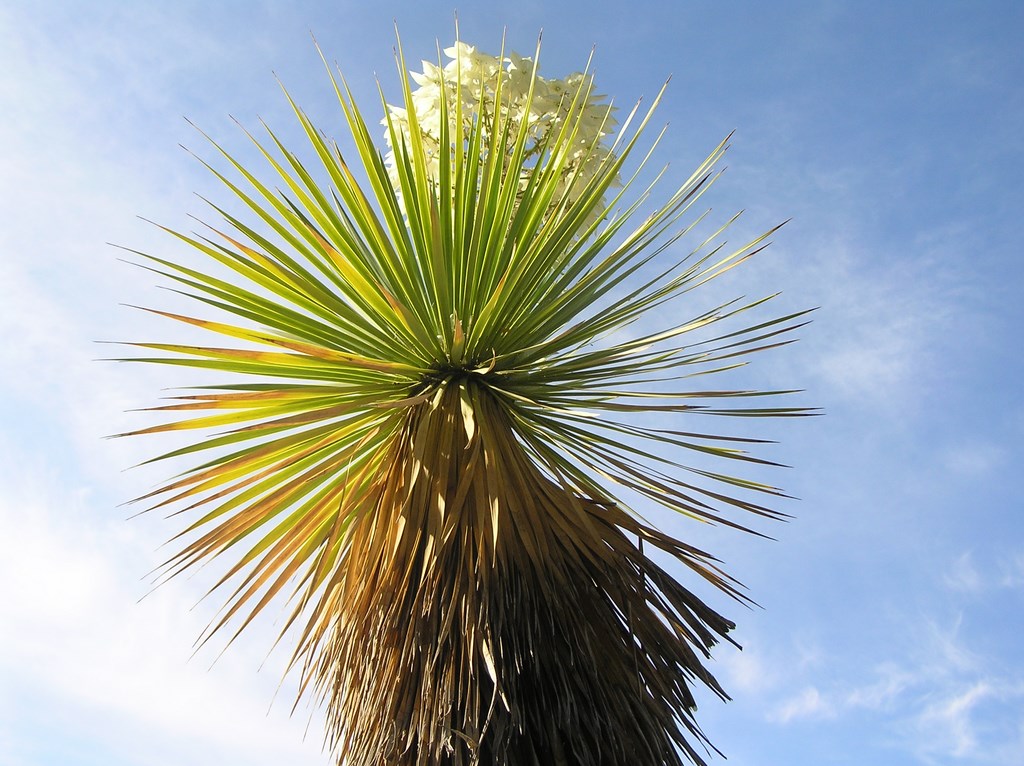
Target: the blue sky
(891, 133)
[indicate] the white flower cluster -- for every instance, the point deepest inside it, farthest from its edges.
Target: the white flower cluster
(473, 76)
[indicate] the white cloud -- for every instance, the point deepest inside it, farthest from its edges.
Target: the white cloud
(883, 693)
(963, 576)
(1012, 575)
(940, 701)
(964, 721)
(973, 460)
(943, 653)
(75, 640)
(879, 322)
(807, 704)
(810, 703)
(966, 576)
(747, 672)
(946, 723)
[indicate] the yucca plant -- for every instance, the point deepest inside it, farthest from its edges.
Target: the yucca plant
(437, 415)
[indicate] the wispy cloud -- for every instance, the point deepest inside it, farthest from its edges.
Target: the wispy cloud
(809, 703)
(881, 320)
(748, 671)
(974, 459)
(968, 722)
(996, 572)
(963, 576)
(1012, 571)
(883, 693)
(945, 726)
(944, 701)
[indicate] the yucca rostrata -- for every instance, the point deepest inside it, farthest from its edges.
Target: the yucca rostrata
(438, 417)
